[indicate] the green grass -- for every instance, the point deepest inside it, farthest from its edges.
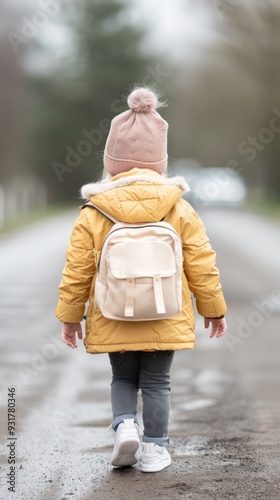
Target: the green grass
(35, 216)
(266, 207)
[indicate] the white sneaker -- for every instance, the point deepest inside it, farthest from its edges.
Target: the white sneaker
(127, 442)
(154, 458)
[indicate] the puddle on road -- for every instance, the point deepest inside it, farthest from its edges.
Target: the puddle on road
(197, 404)
(211, 381)
(216, 453)
(202, 389)
(194, 445)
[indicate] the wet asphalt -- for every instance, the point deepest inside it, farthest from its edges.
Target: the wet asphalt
(224, 425)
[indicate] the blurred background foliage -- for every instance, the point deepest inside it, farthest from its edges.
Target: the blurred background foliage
(66, 67)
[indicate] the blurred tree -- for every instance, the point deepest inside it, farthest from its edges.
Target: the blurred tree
(70, 109)
(227, 101)
(252, 42)
(11, 96)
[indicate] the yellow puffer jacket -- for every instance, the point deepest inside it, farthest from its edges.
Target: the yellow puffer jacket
(138, 196)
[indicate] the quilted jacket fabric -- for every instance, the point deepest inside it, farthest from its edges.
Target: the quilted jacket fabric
(138, 196)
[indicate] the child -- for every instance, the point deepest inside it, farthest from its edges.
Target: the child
(136, 189)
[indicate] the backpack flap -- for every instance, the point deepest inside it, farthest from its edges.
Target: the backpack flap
(134, 262)
(136, 259)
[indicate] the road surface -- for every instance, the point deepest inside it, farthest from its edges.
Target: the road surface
(224, 425)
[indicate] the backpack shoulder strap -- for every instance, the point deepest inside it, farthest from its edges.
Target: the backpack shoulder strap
(90, 204)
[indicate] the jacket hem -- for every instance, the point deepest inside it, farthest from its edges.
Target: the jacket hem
(101, 349)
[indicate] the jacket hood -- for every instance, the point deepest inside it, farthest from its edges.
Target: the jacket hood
(140, 195)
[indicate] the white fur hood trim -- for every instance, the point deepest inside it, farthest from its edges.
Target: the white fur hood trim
(107, 185)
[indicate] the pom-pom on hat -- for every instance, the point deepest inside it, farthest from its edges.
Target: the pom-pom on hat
(137, 137)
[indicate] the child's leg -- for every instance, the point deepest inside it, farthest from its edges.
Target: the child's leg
(124, 385)
(154, 382)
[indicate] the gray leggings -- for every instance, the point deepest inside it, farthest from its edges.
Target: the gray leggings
(150, 372)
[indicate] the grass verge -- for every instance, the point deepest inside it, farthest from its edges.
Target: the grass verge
(35, 216)
(267, 208)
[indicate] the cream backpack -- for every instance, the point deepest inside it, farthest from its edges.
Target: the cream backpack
(139, 273)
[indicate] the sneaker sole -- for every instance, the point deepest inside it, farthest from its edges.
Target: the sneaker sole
(154, 468)
(125, 454)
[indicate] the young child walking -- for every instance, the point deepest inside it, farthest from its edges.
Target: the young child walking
(136, 189)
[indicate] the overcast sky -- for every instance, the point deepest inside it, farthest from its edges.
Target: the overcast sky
(175, 26)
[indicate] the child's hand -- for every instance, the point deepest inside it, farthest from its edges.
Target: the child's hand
(68, 334)
(219, 326)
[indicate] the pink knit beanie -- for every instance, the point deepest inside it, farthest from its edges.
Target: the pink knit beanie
(137, 137)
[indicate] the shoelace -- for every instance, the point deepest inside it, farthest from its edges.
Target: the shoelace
(110, 426)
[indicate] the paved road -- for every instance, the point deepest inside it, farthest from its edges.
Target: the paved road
(224, 425)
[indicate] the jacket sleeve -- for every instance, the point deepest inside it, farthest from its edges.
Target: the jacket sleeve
(77, 274)
(200, 268)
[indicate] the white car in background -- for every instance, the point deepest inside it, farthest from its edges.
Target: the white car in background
(214, 187)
